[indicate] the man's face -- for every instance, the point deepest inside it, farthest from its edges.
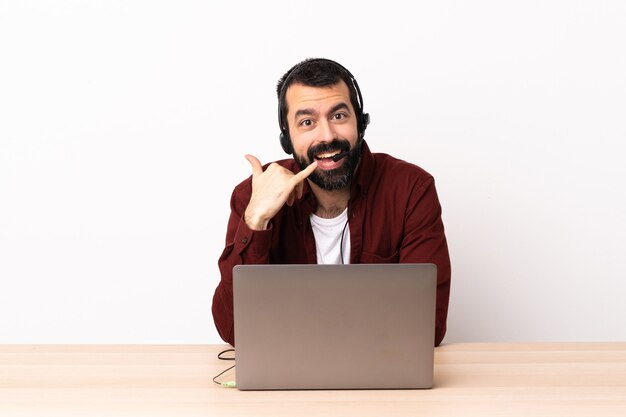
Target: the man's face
(322, 123)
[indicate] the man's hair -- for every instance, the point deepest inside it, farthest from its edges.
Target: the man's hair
(314, 72)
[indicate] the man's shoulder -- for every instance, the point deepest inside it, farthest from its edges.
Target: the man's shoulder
(389, 162)
(391, 170)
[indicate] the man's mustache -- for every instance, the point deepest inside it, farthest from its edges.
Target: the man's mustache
(341, 145)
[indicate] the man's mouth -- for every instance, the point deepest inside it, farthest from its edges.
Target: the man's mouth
(327, 155)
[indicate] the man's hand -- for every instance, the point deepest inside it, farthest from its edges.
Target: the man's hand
(271, 189)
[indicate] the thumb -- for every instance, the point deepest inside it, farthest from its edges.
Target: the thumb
(257, 168)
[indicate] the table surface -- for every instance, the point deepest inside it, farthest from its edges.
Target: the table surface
(556, 379)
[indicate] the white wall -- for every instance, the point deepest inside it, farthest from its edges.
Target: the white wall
(123, 126)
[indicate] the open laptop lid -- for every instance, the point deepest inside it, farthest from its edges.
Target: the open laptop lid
(362, 326)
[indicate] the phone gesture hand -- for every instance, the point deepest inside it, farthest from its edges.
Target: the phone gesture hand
(271, 189)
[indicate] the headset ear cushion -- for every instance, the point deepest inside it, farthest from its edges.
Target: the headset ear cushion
(285, 142)
(366, 120)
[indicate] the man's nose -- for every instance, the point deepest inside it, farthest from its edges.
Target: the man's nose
(326, 131)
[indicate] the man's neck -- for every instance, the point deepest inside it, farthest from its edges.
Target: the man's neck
(330, 204)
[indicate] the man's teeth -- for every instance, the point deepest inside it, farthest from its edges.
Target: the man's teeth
(327, 155)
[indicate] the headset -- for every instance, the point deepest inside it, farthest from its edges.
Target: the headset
(363, 119)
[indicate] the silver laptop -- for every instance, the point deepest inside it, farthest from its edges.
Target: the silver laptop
(363, 326)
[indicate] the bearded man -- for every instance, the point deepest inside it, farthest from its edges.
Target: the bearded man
(335, 202)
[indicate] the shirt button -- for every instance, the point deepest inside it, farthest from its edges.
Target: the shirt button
(244, 240)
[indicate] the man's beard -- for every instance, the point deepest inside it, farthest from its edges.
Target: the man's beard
(338, 178)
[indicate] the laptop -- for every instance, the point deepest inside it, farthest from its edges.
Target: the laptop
(361, 326)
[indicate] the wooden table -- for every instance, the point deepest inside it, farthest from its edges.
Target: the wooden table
(567, 379)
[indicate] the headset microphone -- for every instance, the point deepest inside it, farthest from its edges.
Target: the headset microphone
(340, 156)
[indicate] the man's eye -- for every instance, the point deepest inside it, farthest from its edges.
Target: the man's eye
(306, 122)
(339, 116)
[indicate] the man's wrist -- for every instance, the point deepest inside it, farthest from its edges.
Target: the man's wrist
(255, 223)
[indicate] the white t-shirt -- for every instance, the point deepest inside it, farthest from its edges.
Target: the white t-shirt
(328, 234)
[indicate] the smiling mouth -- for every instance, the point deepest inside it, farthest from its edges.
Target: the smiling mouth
(327, 155)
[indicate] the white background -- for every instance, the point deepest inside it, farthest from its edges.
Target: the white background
(123, 126)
